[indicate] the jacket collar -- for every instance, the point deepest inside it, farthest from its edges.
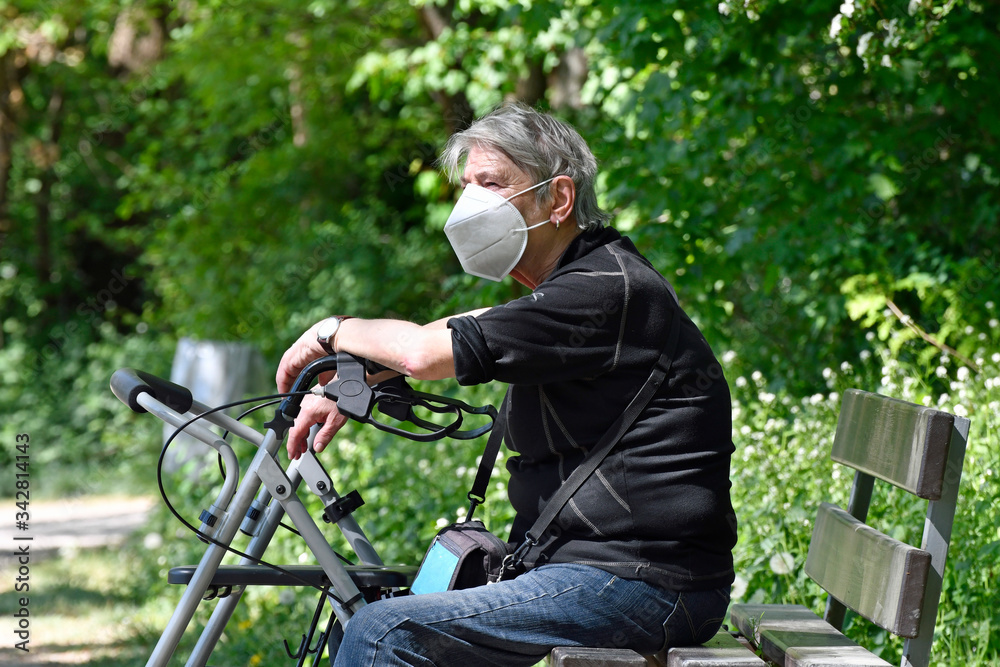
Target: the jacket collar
(586, 242)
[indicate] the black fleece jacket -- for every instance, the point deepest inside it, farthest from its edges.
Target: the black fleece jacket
(575, 351)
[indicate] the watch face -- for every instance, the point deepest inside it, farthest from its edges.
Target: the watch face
(328, 328)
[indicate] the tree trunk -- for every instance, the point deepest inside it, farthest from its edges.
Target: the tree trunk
(43, 226)
(456, 109)
(7, 98)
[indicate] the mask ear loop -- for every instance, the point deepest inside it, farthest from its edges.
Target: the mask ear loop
(528, 229)
(507, 201)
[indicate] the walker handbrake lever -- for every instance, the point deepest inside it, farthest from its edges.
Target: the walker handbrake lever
(394, 398)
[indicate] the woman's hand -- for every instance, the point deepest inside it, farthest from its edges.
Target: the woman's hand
(297, 357)
(314, 410)
(428, 357)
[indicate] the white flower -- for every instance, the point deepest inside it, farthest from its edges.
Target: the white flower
(961, 411)
(996, 357)
(757, 375)
(781, 563)
(941, 371)
(989, 305)
(739, 588)
(994, 323)
(863, 43)
(865, 355)
(728, 356)
(741, 381)
(836, 25)
(827, 373)
(963, 374)
(892, 38)
(886, 61)
(847, 8)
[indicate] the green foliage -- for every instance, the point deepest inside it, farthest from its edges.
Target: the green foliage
(83, 440)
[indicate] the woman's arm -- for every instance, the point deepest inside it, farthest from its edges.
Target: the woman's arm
(422, 352)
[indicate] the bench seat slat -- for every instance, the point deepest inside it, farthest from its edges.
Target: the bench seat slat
(576, 656)
(898, 442)
(793, 636)
(818, 656)
(723, 650)
(880, 578)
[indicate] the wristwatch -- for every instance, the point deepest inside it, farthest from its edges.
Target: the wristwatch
(327, 331)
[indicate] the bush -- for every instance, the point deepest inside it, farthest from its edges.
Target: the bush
(82, 439)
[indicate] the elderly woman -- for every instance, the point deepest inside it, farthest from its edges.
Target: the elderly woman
(642, 554)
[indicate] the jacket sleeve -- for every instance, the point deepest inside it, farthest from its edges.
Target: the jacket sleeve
(570, 327)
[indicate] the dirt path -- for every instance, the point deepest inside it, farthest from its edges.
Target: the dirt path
(77, 523)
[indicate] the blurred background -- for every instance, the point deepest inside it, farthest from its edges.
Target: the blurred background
(186, 186)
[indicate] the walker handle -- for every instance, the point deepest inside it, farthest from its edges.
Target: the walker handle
(128, 383)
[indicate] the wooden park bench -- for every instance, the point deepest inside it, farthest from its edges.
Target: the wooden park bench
(894, 585)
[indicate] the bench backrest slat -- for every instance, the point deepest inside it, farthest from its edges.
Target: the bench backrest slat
(880, 578)
(898, 442)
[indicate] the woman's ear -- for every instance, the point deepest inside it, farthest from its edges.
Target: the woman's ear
(563, 191)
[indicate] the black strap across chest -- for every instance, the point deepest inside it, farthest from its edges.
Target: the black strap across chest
(593, 459)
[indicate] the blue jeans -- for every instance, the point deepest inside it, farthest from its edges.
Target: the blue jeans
(518, 622)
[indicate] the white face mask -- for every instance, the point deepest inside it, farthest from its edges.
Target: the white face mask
(487, 232)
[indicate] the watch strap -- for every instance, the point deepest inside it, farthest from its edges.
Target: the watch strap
(326, 342)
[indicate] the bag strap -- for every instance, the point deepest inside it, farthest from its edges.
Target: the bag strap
(603, 446)
(477, 496)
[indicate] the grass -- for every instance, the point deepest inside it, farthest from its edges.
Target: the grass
(81, 612)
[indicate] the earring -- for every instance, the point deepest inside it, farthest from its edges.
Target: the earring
(557, 223)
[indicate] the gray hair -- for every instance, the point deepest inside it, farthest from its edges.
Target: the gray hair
(539, 145)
